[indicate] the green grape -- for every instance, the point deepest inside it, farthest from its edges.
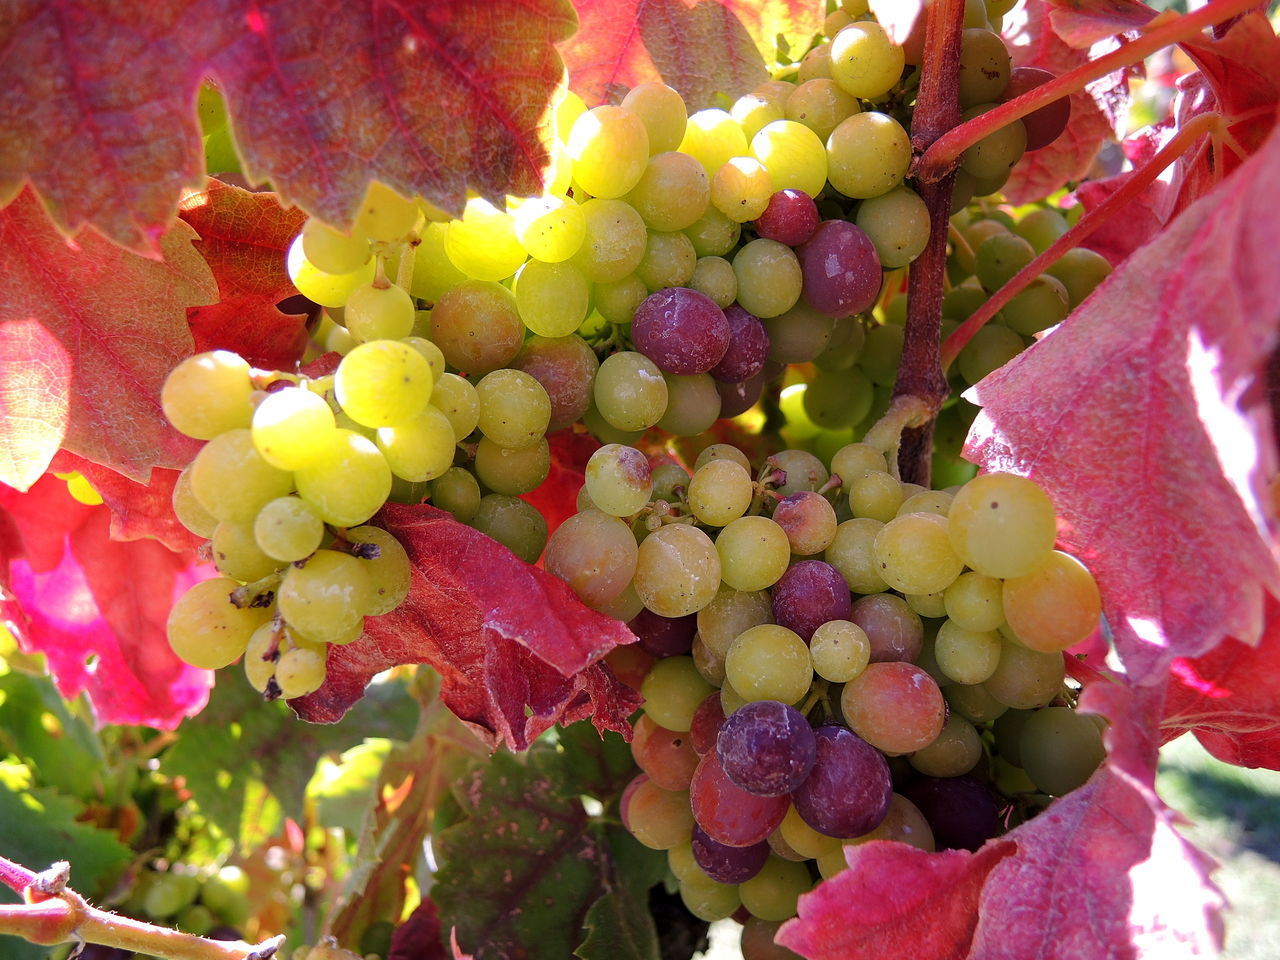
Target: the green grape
(431, 353)
(773, 892)
(385, 215)
(188, 509)
(897, 223)
(722, 451)
(999, 258)
(875, 495)
(1080, 271)
(208, 394)
(852, 552)
(261, 654)
(615, 241)
(327, 597)
(659, 819)
(1025, 678)
(1060, 749)
(729, 614)
(820, 104)
(433, 271)
(290, 426)
(552, 298)
(868, 155)
(550, 228)
(730, 699)
(793, 155)
(605, 432)
(837, 400)
(961, 301)
(708, 900)
(865, 61)
(594, 553)
(693, 404)
(332, 251)
(617, 301)
(672, 193)
(376, 312)
(1042, 304)
(237, 555)
(168, 893)
(798, 335)
(668, 261)
(753, 111)
(984, 67)
(672, 690)
(769, 662)
(1002, 525)
(741, 189)
(990, 349)
(769, 278)
(915, 554)
(927, 501)
(457, 399)
(513, 472)
(299, 671)
(712, 138)
(973, 602)
(882, 354)
(326, 289)
(206, 630)
(513, 523)
(840, 651)
(803, 839)
(389, 572)
(966, 656)
(1054, 606)
(1041, 227)
(662, 111)
(197, 920)
(973, 702)
(855, 458)
(288, 529)
(804, 471)
(714, 276)
(383, 382)
(226, 894)
(456, 491)
(231, 480)
(483, 243)
(720, 492)
(713, 234)
(816, 64)
(610, 147)
(677, 570)
(955, 751)
(619, 479)
(347, 482)
(996, 153)
(630, 392)
(514, 408)
(754, 553)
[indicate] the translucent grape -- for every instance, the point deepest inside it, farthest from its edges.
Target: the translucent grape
(1060, 749)
(896, 707)
(893, 629)
(741, 189)
(1002, 525)
(512, 472)
(208, 394)
(615, 240)
(383, 382)
(384, 214)
(867, 155)
(669, 261)
(514, 409)
(300, 671)
(550, 228)
(618, 479)
(713, 138)
(515, 524)
(693, 404)
(672, 193)
(720, 492)
(672, 691)
(793, 155)
(477, 327)
(754, 552)
(552, 298)
(237, 555)
(231, 480)
(865, 61)
(419, 448)
(820, 104)
(326, 289)
(374, 312)
(456, 491)
(1055, 606)
(677, 571)
(610, 148)
(483, 243)
(188, 509)
(1025, 678)
(290, 426)
(773, 892)
(630, 392)
(769, 278)
(205, 630)
(389, 572)
(840, 650)
(456, 398)
(332, 251)
(288, 529)
(327, 597)
(769, 662)
(348, 481)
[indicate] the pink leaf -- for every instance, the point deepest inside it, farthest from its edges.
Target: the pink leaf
(252, 327)
(899, 17)
(35, 384)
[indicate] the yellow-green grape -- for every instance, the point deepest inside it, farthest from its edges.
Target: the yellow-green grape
(331, 250)
(326, 289)
(672, 192)
(991, 348)
(752, 111)
(897, 223)
(615, 240)
(378, 313)
(610, 147)
(852, 552)
(854, 459)
(456, 398)
(550, 228)
(840, 650)
(552, 298)
(992, 157)
(927, 501)
(816, 64)
(677, 571)
(793, 155)
(419, 448)
(513, 472)
(668, 261)
(973, 702)
(1025, 678)
(300, 671)
(383, 382)
(754, 553)
(385, 215)
(1060, 749)
(1055, 606)
(820, 104)
(713, 234)
(348, 481)
(456, 491)
(662, 111)
(327, 596)
(431, 353)
(630, 392)
(483, 243)
(617, 301)
(720, 492)
(333, 337)
(290, 425)
(876, 495)
(966, 656)
(803, 839)
(708, 900)
(680, 860)
(672, 690)
(974, 601)
(693, 404)
(206, 630)
(513, 523)
(568, 107)
(804, 471)
(741, 188)
(231, 480)
(389, 572)
(865, 61)
(729, 614)
(261, 654)
(769, 662)
(618, 479)
(208, 394)
(927, 604)
(189, 511)
(594, 553)
(915, 554)
(773, 892)
(867, 155)
(1002, 525)
(769, 277)
(955, 751)
(714, 276)
(288, 529)
(514, 408)
(836, 400)
(237, 555)
(712, 137)
(433, 271)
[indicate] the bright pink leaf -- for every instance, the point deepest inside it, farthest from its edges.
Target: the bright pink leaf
(1139, 416)
(35, 380)
(121, 322)
(97, 608)
(911, 905)
(1136, 224)
(515, 649)
(622, 43)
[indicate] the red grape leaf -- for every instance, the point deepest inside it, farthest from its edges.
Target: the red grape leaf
(912, 905)
(1230, 698)
(97, 608)
(515, 649)
(556, 498)
(1122, 234)
(1082, 23)
(1095, 111)
(35, 380)
(121, 321)
(252, 327)
(1140, 417)
(623, 43)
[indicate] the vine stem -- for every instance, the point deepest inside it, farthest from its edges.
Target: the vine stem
(942, 155)
(1181, 142)
(15, 876)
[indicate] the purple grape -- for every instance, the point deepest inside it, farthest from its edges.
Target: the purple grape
(680, 330)
(961, 810)
(849, 790)
(841, 269)
(893, 629)
(790, 218)
(726, 864)
(1046, 124)
(664, 636)
(736, 398)
(766, 748)
(748, 347)
(809, 594)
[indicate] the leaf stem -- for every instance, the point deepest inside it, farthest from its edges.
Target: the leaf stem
(941, 157)
(1091, 221)
(15, 876)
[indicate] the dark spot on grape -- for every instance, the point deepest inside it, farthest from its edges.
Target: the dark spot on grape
(995, 504)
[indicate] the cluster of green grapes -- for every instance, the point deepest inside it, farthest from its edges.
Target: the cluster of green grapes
(828, 655)
(197, 903)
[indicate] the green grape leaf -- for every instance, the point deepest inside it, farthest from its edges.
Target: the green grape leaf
(344, 789)
(37, 727)
(110, 325)
(620, 923)
(584, 761)
(432, 98)
(622, 43)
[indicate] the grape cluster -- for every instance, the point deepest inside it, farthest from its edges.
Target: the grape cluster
(821, 655)
(204, 904)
